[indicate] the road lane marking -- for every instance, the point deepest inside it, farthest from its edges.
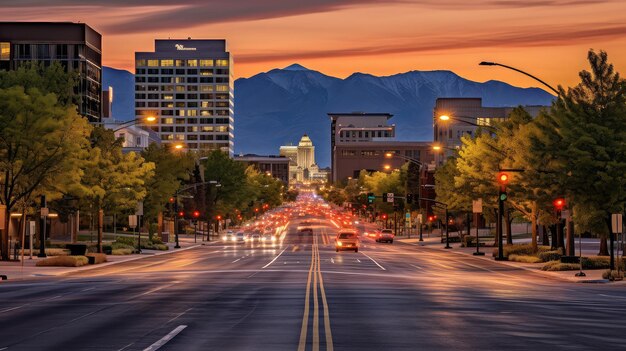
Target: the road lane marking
(178, 315)
(327, 332)
(275, 258)
(164, 340)
(316, 320)
(305, 317)
(332, 260)
(236, 260)
(358, 260)
(151, 291)
(366, 255)
(416, 266)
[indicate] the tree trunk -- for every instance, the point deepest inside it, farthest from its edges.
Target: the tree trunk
(533, 222)
(100, 224)
(560, 241)
(604, 248)
(553, 238)
(545, 239)
(4, 241)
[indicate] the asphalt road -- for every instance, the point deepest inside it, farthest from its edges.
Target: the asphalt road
(300, 294)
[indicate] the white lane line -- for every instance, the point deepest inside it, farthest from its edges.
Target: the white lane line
(87, 289)
(151, 291)
(157, 345)
(275, 258)
(358, 260)
(613, 296)
(236, 260)
(12, 308)
(366, 255)
(4, 348)
(178, 315)
(416, 266)
(332, 260)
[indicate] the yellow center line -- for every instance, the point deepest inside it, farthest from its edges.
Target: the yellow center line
(305, 317)
(316, 320)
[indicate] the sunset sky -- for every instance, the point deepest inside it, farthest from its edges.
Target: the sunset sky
(548, 38)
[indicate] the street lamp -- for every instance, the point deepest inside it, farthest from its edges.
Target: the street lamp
(487, 63)
(142, 120)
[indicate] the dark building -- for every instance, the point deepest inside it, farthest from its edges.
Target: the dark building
(275, 166)
(76, 46)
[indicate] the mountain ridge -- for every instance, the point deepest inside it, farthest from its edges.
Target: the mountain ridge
(277, 107)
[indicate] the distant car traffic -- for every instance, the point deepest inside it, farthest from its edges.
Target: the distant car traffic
(347, 240)
(229, 237)
(385, 235)
(240, 237)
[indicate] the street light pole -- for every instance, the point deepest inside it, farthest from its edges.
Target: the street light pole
(486, 63)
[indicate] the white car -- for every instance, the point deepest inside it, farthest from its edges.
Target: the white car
(240, 237)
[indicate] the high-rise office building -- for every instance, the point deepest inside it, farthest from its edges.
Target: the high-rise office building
(76, 46)
(188, 85)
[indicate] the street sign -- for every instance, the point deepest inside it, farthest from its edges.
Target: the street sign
(616, 223)
(477, 206)
(139, 208)
(132, 221)
(45, 211)
(407, 215)
(389, 197)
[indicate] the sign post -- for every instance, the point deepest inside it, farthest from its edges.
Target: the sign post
(616, 226)
(477, 209)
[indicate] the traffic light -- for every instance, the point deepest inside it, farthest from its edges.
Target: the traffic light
(181, 214)
(218, 217)
(409, 198)
(559, 204)
(171, 200)
(503, 179)
(431, 218)
(196, 214)
(371, 198)
(384, 216)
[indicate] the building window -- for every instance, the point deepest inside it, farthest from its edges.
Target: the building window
(179, 63)
(348, 153)
(5, 51)
(167, 63)
(221, 63)
(206, 63)
(153, 63)
(192, 63)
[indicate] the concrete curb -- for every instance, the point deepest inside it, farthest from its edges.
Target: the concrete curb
(513, 265)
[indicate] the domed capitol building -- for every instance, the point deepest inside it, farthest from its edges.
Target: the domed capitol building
(302, 166)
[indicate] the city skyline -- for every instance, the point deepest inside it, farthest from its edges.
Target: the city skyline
(401, 37)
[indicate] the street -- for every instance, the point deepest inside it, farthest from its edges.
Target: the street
(299, 294)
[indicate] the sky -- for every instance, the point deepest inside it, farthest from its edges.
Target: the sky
(547, 38)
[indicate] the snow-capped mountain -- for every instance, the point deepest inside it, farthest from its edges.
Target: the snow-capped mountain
(277, 107)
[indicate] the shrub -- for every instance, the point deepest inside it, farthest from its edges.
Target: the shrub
(63, 261)
(120, 252)
(98, 257)
(599, 262)
(126, 240)
(524, 258)
(116, 246)
(468, 241)
(131, 243)
(550, 255)
(57, 252)
(520, 249)
(558, 266)
(613, 275)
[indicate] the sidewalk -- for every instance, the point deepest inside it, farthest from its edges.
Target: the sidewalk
(434, 243)
(28, 271)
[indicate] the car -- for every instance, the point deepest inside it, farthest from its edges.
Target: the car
(385, 235)
(228, 237)
(267, 238)
(255, 237)
(240, 237)
(347, 240)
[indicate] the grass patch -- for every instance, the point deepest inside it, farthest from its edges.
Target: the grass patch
(63, 261)
(524, 258)
(554, 266)
(98, 257)
(120, 252)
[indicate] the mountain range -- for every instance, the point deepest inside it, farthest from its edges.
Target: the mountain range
(277, 107)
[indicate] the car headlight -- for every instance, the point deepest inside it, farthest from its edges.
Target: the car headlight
(233, 239)
(273, 238)
(224, 238)
(339, 243)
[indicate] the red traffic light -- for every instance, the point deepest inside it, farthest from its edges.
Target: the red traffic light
(559, 203)
(171, 199)
(181, 214)
(430, 218)
(218, 217)
(384, 216)
(196, 214)
(256, 209)
(503, 178)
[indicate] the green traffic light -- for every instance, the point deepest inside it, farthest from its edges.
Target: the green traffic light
(502, 197)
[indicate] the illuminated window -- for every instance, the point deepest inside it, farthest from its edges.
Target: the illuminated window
(221, 129)
(167, 63)
(206, 63)
(167, 121)
(205, 113)
(206, 72)
(192, 63)
(153, 63)
(192, 113)
(207, 128)
(179, 137)
(179, 63)
(5, 51)
(140, 63)
(206, 104)
(180, 88)
(206, 88)
(168, 96)
(221, 88)
(221, 63)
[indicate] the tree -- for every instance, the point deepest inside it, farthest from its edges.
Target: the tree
(171, 170)
(591, 120)
(40, 143)
(113, 181)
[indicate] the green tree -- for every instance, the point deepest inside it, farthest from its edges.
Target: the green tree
(112, 181)
(591, 121)
(171, 170)
(40, 143)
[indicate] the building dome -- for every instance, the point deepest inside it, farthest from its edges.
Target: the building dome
(305, 141)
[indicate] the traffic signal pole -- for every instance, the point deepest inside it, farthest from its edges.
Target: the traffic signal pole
(499, 230)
